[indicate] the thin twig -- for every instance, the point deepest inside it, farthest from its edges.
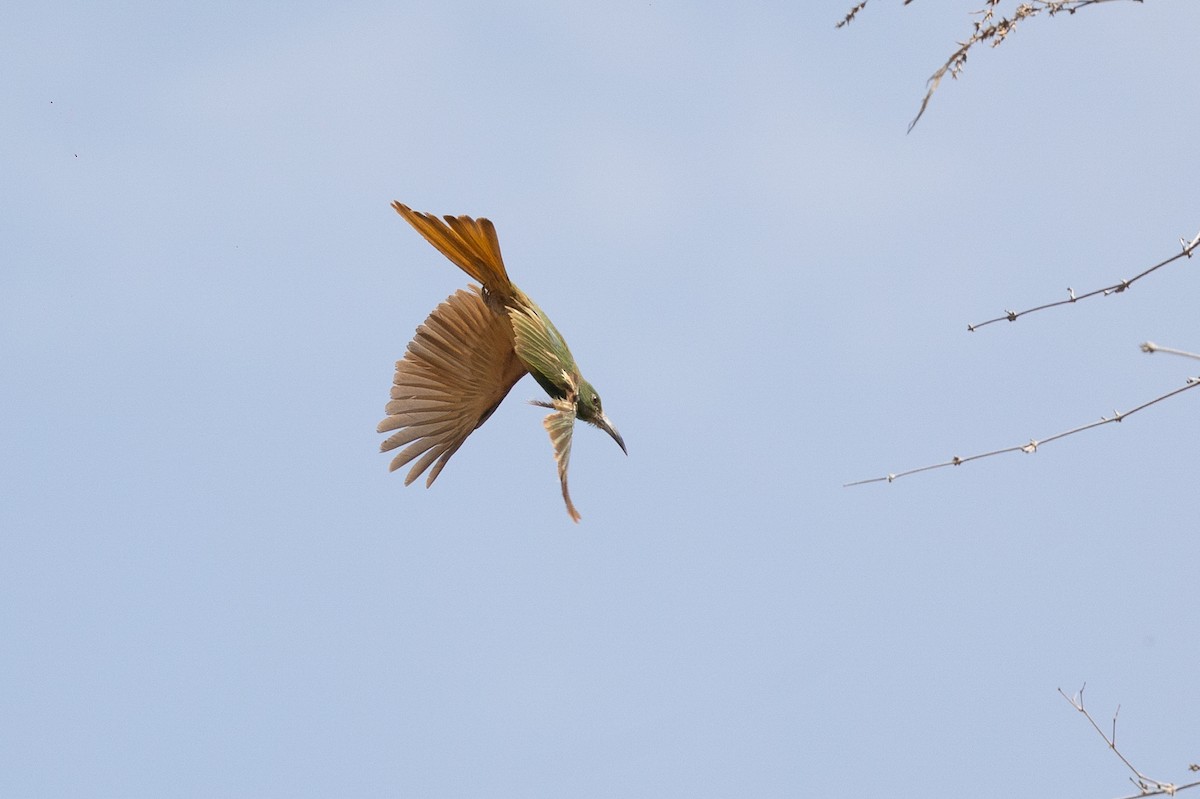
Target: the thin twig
(996, 32)
(984, 30)
(846, 20)
(1174, 789)
(1150, 346)
(1189, 247)
(1147, 786)
(1033, 444)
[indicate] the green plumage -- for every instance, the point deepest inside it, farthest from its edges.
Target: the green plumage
(471, 350)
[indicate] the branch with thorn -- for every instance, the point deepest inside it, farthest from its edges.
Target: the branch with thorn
(1188, 248)
(1146, 785)
(1032, 446)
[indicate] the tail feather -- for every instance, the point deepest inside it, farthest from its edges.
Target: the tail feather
(471, 244)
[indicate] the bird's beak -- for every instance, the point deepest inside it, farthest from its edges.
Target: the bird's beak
(607, 427)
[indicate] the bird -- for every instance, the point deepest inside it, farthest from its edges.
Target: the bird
(471, 351)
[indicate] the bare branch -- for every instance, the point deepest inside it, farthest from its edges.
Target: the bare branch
(1189, 247)
(851, 15)
(1150, 346)
(1164, 791)
(1033, 444)
(1146, 785)
(854, 13)
(986, 28)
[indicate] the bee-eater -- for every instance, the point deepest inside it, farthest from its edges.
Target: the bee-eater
(471, 350)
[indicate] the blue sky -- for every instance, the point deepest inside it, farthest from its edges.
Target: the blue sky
(210, 585)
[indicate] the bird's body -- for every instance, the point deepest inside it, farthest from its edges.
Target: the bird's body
(472, 350)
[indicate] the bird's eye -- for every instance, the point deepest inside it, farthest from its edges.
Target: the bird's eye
(596, 400)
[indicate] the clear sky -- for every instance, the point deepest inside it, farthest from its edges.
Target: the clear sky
(211, 586)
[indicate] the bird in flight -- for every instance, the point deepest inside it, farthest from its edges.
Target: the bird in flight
(471, 350)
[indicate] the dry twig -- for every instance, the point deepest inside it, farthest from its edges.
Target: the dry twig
(988, 28)
(1146, 786)
(1150, 346)
(1189, 247)
(1033, 444)
(846, 20)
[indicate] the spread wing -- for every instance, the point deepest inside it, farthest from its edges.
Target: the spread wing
(560, 425)
(457, 369)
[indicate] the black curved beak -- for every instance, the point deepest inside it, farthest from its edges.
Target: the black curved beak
(607, 427)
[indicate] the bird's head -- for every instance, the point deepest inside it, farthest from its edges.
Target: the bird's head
(588, 408)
